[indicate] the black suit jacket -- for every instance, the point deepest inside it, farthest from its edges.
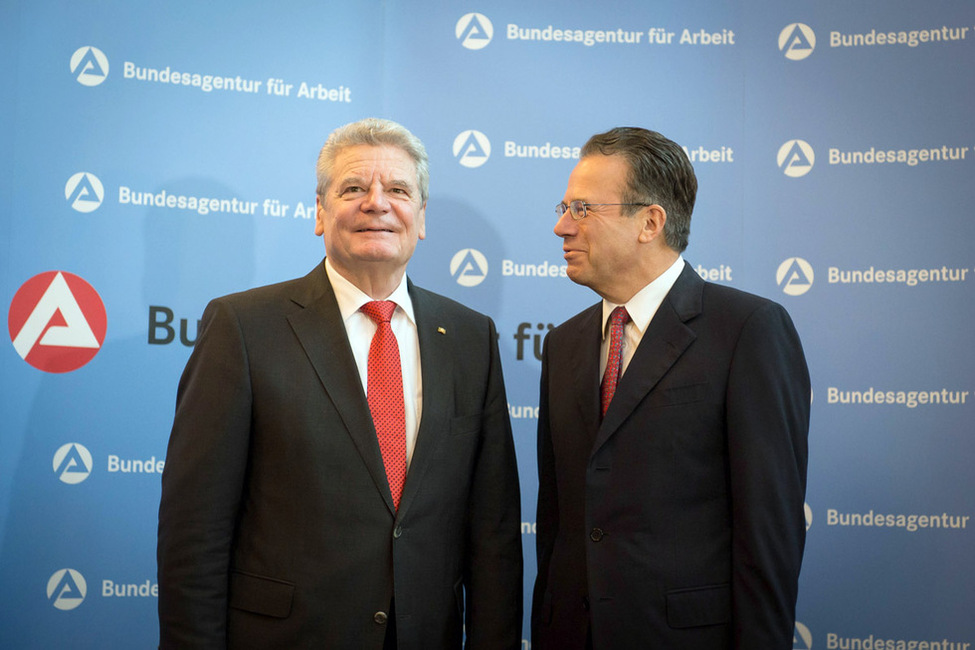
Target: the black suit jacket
(677, 521)
(276, 525)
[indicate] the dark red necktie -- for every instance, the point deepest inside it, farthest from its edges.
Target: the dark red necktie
(385, 395)
(614, 362)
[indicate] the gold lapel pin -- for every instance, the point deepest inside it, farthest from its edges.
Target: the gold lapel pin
(441, 330)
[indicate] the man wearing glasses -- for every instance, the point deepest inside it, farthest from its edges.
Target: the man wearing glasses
(672, 429)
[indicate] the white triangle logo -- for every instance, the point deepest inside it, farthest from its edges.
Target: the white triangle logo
(75, 333)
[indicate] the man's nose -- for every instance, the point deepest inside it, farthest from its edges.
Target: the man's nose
(566, 225)
(376, 199)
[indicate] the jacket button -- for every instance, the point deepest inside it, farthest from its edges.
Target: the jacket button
(379, 618)
(596, 534)
(397, 532)
(585, 603)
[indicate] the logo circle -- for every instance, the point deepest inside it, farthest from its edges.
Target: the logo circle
(67, 588)
(84, 192)
(469, 267)
(89, 65)
(796, 158)
(72, 463)
(802, 639)
(474, 31)
(57, 322)
(797, 41)
(795, 276)
(472, 148)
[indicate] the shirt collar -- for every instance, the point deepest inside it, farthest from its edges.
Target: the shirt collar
(644, 304)
(350, 297)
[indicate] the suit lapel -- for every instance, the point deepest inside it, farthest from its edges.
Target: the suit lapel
(436, 370)
(585, 367)
(322, 335)
(666, 339)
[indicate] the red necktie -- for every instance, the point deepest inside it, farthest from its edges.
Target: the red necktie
(614, 362)
(385, 395)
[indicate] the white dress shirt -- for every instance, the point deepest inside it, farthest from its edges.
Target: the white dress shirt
(641, 308)
(361, 329)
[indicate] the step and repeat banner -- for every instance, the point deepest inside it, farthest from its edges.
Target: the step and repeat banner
(156, 155)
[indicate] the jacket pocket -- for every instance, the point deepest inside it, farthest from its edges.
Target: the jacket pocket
(699, 606)
(674, 395)
(260, 595)
(465, 424)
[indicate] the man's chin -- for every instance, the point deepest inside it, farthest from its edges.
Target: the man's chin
(577, 275)
(382, 254)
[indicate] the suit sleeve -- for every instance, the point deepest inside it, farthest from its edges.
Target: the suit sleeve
(494, 580)
(768, 422)
(547, 515)
(202, 483)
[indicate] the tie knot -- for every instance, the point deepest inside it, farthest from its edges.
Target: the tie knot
(380, 311)
(619, 316)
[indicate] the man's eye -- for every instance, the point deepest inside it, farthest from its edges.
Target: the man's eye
(351, 189)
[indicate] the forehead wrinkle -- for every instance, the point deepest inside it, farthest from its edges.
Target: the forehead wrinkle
(361, 165)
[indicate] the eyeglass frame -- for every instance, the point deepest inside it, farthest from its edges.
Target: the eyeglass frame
(561, 208)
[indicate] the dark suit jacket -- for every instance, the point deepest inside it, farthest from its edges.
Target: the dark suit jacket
(276, 525)
(677, 521)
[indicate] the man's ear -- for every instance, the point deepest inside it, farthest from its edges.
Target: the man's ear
(319, 217)
(654, 219)
(421, 222)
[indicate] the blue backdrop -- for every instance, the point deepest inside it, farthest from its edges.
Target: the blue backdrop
(159, 154)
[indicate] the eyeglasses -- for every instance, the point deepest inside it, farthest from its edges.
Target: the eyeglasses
(578, 209)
